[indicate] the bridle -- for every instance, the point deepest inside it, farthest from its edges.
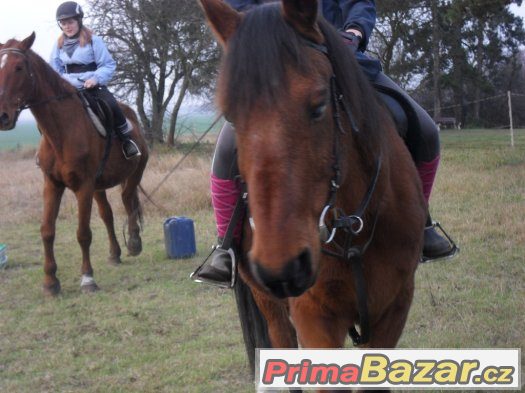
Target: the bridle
(352, 225)
(24, 104)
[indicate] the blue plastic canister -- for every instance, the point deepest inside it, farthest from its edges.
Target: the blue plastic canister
(179, 237)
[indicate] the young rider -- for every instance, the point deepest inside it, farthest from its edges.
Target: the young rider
(83, 59)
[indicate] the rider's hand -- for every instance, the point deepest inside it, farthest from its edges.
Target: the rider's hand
(351, 38)
(90, 83)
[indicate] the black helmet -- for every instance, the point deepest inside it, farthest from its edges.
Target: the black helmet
(69, 9)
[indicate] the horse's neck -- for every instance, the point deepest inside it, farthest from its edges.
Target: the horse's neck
(360, 170)
(54, 117)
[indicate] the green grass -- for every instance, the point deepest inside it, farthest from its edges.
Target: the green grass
(150, 328)
(26, 135)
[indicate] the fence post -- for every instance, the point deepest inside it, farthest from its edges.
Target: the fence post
(510, 117)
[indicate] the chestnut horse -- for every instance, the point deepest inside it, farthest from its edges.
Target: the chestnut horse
(69, 155)
(314, 143)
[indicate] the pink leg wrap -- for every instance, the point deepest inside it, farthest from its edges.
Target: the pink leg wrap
(427, 173)
(224, 195)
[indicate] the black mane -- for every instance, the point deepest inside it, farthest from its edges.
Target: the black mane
(265, 44)
(257, 56)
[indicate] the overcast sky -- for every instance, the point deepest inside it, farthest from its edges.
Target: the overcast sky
(18, 18)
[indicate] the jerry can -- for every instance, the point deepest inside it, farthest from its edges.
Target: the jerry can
(179, 237)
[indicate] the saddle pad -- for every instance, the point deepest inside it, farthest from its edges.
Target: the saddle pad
(99, 112)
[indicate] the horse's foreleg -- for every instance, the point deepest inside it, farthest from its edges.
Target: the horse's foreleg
(131, 202)
(105, 212)
(85, 202)
(314, 328)
(280, 330)
(385, 333)
(52, 197)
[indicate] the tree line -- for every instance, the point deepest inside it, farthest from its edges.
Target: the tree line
(457, 57)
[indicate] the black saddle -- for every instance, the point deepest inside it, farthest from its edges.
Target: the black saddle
(99, 111)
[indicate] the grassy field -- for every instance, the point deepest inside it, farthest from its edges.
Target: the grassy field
(25, 134)
(151, 329)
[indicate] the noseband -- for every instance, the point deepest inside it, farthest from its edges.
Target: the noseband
(352, 225)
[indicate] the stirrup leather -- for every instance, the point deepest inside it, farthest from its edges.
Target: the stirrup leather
(451, 254)
(195, 275)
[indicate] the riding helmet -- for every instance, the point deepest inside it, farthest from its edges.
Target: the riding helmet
(69, 9)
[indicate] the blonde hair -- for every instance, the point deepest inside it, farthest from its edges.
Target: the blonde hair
(84, 37)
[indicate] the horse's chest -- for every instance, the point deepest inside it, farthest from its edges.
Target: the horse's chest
(63, 173)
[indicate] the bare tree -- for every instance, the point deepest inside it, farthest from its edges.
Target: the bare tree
(163, 51)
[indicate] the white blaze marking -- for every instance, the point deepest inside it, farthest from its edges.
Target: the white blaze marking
(3, 61)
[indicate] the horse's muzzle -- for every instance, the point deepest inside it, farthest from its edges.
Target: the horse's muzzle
(293, 280)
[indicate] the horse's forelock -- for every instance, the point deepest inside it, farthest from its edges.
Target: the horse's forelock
(254, 68)
(264, 45)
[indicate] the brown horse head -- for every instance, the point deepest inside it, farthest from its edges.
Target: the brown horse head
(16, 80)
(275, 86)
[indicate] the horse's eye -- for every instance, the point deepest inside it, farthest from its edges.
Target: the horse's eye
(19, 68)
(318, 112)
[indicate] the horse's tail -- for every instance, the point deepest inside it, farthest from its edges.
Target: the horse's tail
(253, 324)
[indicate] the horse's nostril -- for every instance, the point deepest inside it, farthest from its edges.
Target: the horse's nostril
(4, 118)
(301, 269)
(293, 280)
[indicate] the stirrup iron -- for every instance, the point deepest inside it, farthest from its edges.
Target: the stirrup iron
(453, 251)
(195, 275)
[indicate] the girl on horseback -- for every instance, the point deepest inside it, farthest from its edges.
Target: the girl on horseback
(83, 60)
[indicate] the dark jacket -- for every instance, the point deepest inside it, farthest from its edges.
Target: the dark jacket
(342, 14)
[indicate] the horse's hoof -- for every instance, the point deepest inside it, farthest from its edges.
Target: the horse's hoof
(134, 246)
(90, 288)
(114, 261)
(88, 284)
(52, 290)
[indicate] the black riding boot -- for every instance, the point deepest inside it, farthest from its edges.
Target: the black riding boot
(219, 270)
(129, 147)
(434, 245)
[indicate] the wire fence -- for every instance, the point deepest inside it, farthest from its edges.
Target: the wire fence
(502, 102)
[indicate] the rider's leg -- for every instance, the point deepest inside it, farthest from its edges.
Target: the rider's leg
(122, 128)
(225, 192)
(422, 140)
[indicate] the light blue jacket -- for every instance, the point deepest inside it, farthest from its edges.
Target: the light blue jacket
(96, 52)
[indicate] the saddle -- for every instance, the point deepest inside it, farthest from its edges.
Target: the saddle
(99, 112)
(400, 109)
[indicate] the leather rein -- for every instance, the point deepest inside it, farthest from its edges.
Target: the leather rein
(352, 225)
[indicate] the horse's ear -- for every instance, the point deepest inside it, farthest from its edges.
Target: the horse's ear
(302, 15)
(222, 18)
(28, 42)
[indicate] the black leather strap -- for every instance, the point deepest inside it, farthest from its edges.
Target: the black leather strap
(80, 68)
